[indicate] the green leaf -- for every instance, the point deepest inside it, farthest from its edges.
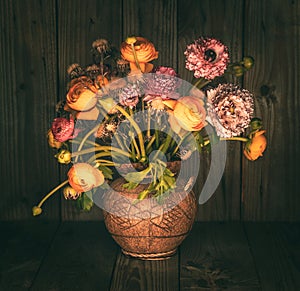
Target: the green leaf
(137, 177)
(107, 172)
(130, 185)
(143, 194)
(84, 202)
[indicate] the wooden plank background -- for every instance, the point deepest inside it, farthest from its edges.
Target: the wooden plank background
(40, 39)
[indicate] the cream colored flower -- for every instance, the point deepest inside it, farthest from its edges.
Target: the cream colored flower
(83, 177)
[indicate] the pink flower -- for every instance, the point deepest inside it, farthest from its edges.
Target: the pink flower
(230, 109)
(207, 57)
(129, 95)
(63, 129)
(163, 83)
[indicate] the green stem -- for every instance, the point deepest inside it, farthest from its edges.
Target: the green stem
(148, 122)
(163, 148)
(135, 57)
(137, 129)
(99, 155)
(87, 141)
(150, 142)
(101, 148)
(156, 138)
(52, 192)
(243, 139)
(201, 83)
(83, 141)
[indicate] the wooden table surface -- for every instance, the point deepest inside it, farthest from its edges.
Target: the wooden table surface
(40, 255)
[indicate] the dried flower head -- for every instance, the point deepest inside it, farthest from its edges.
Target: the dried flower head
(74, 71)
(207, 57)
(123, 66)
(230, 109)
(93, 71)
(101, 45)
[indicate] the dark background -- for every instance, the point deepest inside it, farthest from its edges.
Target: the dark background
(41, 38)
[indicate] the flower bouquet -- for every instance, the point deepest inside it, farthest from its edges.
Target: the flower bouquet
(124, 117)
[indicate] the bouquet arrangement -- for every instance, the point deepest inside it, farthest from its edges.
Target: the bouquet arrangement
(122, 115)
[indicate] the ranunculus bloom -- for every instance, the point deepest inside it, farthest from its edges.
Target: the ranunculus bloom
(188, 114)
(83, 177)
(163, 83)
(207, 57)
(230, 109)
(82, 94)
(63, 129)
(129, 95)
(145, 52)
(256, 147)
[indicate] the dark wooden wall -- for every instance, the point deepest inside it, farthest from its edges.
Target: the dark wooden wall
(40, 38)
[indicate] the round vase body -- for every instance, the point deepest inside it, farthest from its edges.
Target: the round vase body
(148, 229)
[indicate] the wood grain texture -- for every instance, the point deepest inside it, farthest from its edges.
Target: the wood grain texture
(80, 258)
(23, 247)
(276, 251)
(221, 20)
(40, 39)
(133, 274)
(79, 24)
(28, 95)
(216, 257)
(272, 37)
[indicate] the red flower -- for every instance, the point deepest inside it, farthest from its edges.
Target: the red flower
(63, 129)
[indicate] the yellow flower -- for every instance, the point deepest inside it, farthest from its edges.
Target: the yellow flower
(255, 148)
(64, 157)
(188, 114)
(83, 177)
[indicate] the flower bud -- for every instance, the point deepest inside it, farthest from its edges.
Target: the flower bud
(52, 141)
(256, 123)
(248, 62)
(256, 146)
(64, 157)
(131, 40)
(36, 210)
(71, 193)
(238, 71)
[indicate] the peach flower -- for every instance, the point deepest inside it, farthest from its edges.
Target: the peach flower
(145, 53)
(256, 147)
(83, 177)
(82, 94)
(188, 114)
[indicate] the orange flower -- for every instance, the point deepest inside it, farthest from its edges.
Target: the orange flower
(145, 53)
(83, 177)
(52, 141)
(82, 94)
(257, 145)
(188, 114)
